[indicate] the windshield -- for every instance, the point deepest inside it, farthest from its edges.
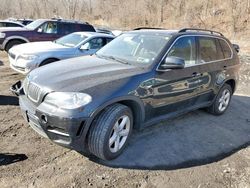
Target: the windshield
(135, 48)
(34, 25)
(71, 40)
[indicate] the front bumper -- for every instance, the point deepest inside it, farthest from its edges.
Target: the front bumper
(21, 67)
(69, 132)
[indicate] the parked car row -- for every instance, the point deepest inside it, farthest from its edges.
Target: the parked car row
(26, 57)
(93, 103)
(40, 30)
(9, 23)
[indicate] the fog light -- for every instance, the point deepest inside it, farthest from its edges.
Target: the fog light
(44, 118)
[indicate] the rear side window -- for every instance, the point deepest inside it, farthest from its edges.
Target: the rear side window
(2, 24)
(108, 40)
(226, 49)
(86, 27)
(185, 48)
(12, 25)
(66, 28)
(210, 49)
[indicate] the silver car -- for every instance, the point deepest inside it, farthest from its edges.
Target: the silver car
(26, 57)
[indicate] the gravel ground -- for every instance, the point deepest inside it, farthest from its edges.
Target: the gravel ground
(194, 150)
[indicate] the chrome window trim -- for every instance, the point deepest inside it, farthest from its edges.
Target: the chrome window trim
(160, 70)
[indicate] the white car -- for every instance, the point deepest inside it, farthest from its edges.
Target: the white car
(26, 57)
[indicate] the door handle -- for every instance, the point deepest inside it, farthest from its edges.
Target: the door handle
(196, 74)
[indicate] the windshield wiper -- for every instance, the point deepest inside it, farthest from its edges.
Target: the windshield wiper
(113, 58)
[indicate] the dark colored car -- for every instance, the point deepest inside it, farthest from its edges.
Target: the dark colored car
(25, 21)
(7, 23)
(140, 78)
(40, 30)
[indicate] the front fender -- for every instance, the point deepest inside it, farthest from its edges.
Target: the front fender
(122, 99)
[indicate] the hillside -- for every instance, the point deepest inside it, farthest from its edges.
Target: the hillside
(228, 16)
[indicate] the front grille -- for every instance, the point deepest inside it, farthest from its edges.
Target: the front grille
(33, 92)
(13, 56)
(19, 68)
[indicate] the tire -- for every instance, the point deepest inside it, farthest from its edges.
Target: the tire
(11, 44)
(104, 131)
(47, 61)
(220, 105)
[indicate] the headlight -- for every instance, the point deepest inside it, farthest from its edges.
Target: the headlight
(28, 57)
(68, 100)
(2, 35)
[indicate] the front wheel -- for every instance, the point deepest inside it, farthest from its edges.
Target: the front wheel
(222, 100)
(109, 133)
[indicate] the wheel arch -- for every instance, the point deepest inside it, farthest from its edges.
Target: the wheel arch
(14, 38)
(49, 58)
(232, 83)
(134, 103)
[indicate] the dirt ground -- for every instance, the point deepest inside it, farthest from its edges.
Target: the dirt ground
(210, 151)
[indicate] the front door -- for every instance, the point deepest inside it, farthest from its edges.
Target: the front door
(176, 90)
(91, 46)
(47, 32)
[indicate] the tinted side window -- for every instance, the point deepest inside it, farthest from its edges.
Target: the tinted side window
(86, 27)
(12, 25)
(2, 25)
(185, 48)
(226, 49)
(108, 40)
(210, 49)
(66, 28)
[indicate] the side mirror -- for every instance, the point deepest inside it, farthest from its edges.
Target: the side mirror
(40, 30)
(173, 63)
(86, 47)
(236, 47)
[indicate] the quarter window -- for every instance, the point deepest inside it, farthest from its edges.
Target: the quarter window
(185, 48)
(210, 49)
(226, 49)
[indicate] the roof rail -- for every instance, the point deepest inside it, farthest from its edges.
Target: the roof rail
(200, 30)
(141, 28)
(68, 20)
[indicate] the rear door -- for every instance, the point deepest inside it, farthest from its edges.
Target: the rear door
(213, 60)
(65, 28)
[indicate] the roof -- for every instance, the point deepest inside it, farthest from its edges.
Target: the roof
(91, 34)
(155, 31)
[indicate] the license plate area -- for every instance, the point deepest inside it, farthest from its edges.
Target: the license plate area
(34, 123)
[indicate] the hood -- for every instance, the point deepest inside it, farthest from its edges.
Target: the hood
(82, 73)
(3, 29)
(36, 47)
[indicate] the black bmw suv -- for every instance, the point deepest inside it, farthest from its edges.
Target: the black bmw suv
(140, 78)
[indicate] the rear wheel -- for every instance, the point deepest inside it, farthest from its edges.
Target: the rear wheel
(110, 132)
(222, 100)
(12, 44)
